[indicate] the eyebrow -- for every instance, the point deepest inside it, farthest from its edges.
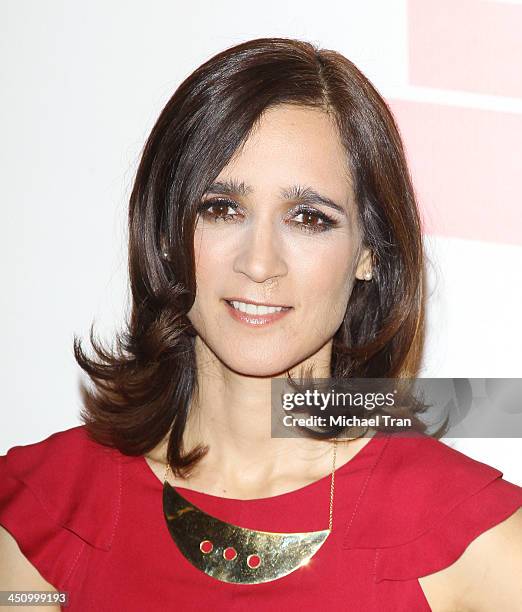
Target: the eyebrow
(305, 195)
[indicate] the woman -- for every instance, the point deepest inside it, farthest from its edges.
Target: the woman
(274, 176)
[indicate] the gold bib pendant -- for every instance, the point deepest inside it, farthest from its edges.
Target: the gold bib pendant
(236, 554)
(231, 553)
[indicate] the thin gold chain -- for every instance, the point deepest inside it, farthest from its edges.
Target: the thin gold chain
(332, 484)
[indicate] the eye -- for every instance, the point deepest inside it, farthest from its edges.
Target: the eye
(320, 221)
(313, 221)
(220, 206)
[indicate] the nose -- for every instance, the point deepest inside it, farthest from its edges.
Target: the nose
(260, 254)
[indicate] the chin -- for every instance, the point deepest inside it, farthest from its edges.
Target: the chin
(274, 363)
(258, 367)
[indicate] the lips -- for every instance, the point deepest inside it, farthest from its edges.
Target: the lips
(254, 302)
(256, 319)
(255, 309)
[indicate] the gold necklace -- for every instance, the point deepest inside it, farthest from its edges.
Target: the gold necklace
(236, 554)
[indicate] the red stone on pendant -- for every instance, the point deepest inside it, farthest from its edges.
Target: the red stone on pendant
(206, 546)
(230, 553)
(253, 561)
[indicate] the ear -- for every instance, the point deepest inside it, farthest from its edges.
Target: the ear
(364, 265)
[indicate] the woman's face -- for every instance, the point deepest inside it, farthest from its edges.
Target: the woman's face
(255, 243)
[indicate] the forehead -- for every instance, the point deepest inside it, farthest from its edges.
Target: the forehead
(293, 144)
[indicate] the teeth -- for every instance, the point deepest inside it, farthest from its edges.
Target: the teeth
(256, 310)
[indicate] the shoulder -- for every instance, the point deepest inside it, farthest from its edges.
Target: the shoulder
(58, 495)
(426, 461)
(73, 445)
(70, 443)
(424, 504)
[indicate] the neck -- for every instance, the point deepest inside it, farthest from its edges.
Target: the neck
(231, 413)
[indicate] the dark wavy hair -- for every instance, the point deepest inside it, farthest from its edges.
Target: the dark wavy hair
(143, 386)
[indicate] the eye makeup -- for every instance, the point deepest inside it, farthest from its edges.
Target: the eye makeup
(321, 222)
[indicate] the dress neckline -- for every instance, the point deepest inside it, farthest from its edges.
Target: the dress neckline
(366, 452)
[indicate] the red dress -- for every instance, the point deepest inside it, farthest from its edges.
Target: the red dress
(91, 521)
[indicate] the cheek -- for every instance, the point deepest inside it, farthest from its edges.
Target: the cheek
(204, 255)
(206, 263)
(212, 259)
(326, 274)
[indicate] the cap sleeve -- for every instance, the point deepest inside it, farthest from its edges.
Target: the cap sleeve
(57, 497)
(422, 506)
(444, 542)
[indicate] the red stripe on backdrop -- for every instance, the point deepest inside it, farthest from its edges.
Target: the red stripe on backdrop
(467, 45)
(466, 166)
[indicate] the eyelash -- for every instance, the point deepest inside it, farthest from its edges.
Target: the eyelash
(327, 222)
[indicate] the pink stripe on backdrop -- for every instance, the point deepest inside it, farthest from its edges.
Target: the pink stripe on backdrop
(466, 166)
(468, 45)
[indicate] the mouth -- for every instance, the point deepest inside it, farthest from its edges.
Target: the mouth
(255, 314)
